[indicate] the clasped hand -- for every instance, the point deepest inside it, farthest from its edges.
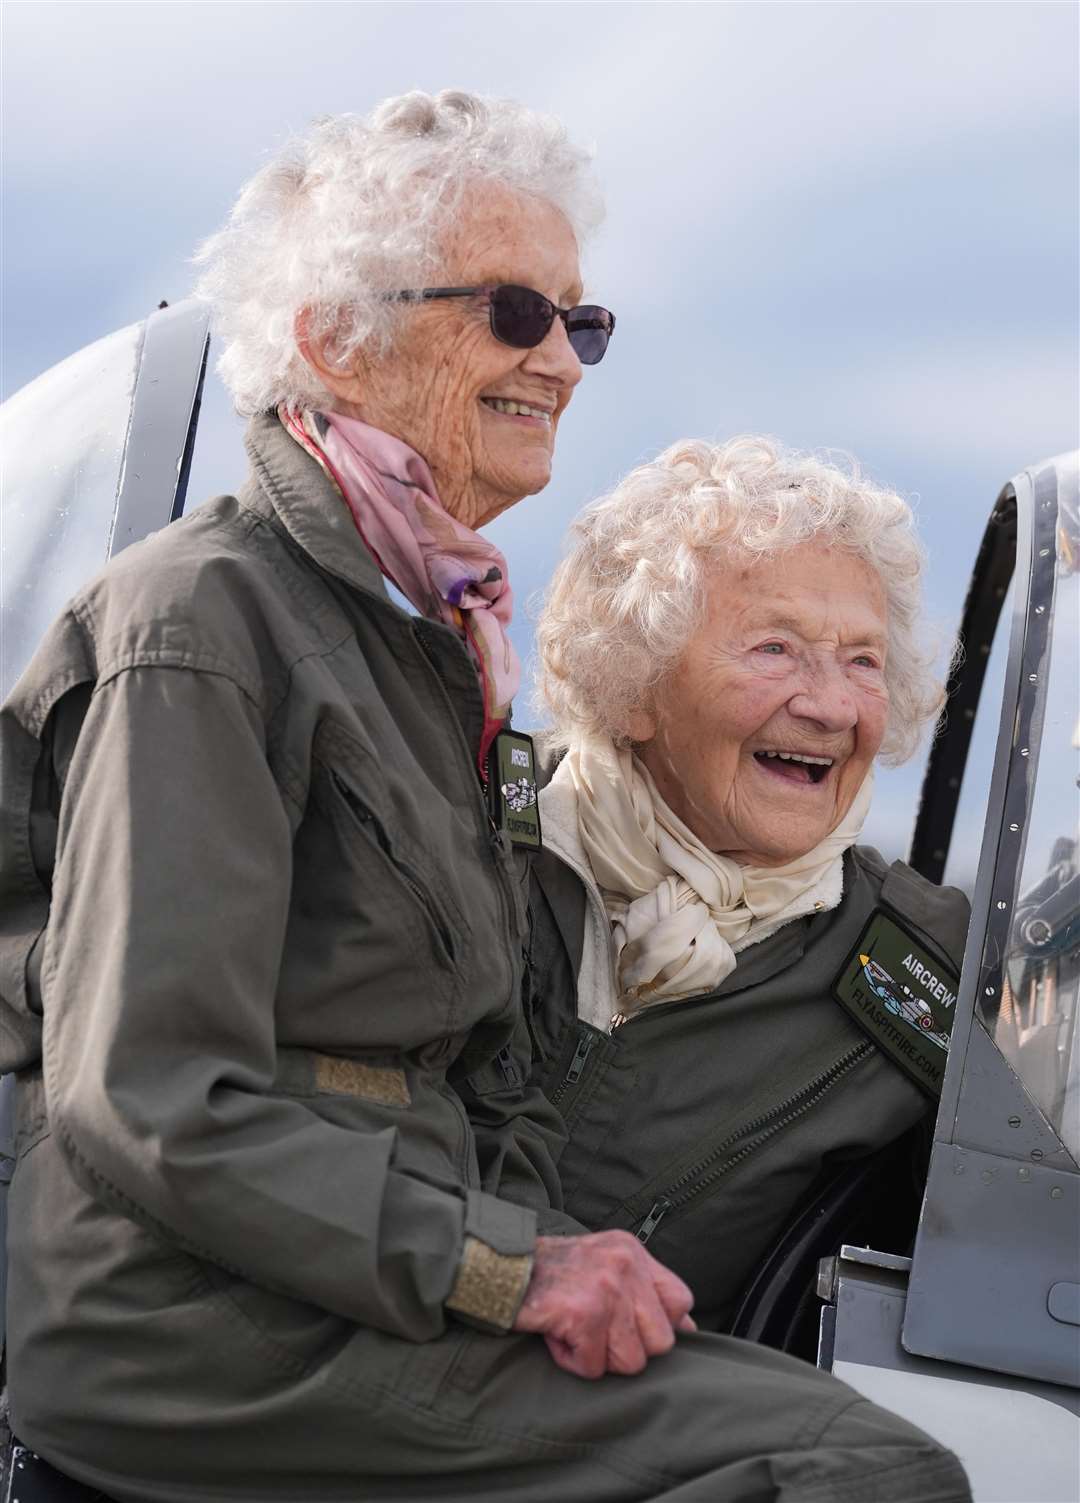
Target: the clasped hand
(603, 1304)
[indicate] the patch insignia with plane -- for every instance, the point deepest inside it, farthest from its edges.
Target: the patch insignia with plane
(903, 997)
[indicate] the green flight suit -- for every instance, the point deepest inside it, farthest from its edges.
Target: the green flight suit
(703, 1125)
(278, 1177)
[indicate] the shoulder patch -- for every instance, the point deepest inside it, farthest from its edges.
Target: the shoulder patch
(903, 996)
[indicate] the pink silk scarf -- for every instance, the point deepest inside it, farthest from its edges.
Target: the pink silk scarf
(448, 572)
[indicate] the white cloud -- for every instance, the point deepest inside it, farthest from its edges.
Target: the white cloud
(1013, 401)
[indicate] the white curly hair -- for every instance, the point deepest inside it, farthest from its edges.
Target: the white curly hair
(355, 208)
(632, 591)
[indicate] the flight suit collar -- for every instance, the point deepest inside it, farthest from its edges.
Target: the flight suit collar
(292, 493)
(572, 896)
(763, 960)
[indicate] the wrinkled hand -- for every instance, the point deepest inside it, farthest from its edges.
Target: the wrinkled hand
(603, 1304)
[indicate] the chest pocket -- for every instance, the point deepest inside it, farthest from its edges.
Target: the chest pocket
(356, 810)
(377, 897)
(507, 1072)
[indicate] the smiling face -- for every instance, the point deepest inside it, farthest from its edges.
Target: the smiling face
(763, 734)
(444, 386)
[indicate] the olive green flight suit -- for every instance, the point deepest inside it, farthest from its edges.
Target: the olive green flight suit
(278, 1176)
(703, 1125)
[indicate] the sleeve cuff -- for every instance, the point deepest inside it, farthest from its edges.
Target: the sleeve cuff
(496, 1262)
(552, 1223)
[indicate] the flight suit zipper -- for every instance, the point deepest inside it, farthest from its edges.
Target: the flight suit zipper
(579, 1059)
(508, 1067)
(587, 1040)
(707, 1171)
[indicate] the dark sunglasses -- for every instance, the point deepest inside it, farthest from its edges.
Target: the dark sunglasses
(522, 318)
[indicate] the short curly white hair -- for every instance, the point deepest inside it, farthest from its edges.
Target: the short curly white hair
(354, 209)
(626, 600)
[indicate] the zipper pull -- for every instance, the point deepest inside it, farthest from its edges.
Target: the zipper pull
(653, 1220)
(581, 1054)
(510, 1072)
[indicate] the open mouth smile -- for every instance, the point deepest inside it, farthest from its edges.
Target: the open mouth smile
(507, 408)
(795, 767)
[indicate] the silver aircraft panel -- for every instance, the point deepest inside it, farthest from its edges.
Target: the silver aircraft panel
(63, 440)
(95, 458)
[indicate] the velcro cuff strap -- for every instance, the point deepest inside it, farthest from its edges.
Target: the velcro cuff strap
(490, 1286)
(496, 1262)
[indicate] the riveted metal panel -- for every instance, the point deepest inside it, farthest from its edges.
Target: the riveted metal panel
(995, 1238)
(1000, 1223)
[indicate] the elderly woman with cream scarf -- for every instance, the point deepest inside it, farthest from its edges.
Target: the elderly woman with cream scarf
(730, 996)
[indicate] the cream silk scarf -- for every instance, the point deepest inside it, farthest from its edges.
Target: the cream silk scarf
(679, 912)
(450, 573)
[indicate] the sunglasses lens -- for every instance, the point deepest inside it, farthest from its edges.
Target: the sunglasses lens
(589, 329)
(520, 316)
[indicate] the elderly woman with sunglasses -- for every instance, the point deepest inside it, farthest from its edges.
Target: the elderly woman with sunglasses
(283, 1196)
(732, 996)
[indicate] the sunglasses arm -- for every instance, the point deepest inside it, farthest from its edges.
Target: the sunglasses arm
(429, 294)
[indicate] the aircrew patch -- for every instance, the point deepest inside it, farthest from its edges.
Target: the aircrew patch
(903, 997)
(512, 788)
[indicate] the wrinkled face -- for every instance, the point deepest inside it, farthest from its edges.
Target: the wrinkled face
(762, 736)
(438, 387)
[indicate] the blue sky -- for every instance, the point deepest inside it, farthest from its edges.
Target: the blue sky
(852, 226)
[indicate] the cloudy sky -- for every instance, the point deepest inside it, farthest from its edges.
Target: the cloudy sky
(852, 226)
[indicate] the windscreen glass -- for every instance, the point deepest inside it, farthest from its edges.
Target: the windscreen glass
(1036, 1026)
(63, 439)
